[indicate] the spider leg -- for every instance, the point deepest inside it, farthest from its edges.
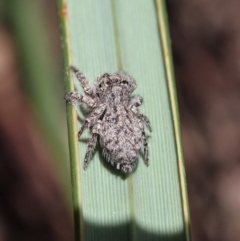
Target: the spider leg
(92, 119)
(76, 98)
(92, 143)
(83, 127)
(136, 101)
(141, 116)
(145, 148)
(83, 81)
(90, 147)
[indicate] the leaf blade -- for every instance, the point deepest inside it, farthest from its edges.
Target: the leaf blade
(106, 36)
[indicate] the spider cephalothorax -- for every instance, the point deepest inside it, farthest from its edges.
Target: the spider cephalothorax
(115, 119)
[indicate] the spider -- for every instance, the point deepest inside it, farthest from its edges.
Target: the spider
(114, 119)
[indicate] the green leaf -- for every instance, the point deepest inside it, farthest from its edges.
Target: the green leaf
(151, 204)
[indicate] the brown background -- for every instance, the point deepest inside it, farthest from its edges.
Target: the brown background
(206, 46)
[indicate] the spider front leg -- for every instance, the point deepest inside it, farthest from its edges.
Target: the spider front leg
(83, 81)
(76, 98)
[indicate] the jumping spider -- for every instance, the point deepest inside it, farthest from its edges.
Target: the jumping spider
(115, 118)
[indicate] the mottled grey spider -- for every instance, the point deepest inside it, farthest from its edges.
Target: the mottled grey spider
(115, 118)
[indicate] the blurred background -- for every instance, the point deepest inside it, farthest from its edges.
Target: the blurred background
(35, 196)
(34, 171)
(206, 47)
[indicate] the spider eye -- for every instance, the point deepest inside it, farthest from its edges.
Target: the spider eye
(124, 82)
(107, 82)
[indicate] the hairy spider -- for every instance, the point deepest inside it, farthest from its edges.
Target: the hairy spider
(114, 118)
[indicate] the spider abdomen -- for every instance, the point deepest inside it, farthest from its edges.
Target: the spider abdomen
(121, 136)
